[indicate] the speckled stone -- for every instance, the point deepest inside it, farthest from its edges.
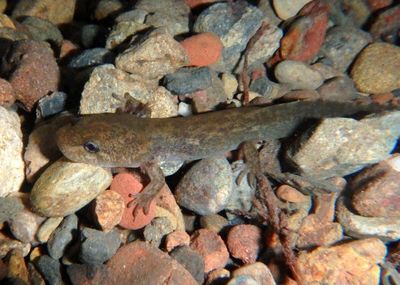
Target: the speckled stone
(286, 9)
(191, 260)
(7, 96)
(244, 242)
(25, 225)
(122, 31)
(298, 75)
(258, 270)
(47, 228)
(65, 187)
(108, 210)
(50, 269)
(156, 231)
(92, 57)
(43, 30)
(188, 80)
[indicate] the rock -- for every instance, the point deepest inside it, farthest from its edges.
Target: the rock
(348, 145)
(42, 148)
(127, 184)
(43, 30)
(215, 223)
(188, 80)
(109, 89)
(107, 9)
(7, 96)
(7, 245)
(286, 9)
(93, 35)
(258, 271)
(50, 105)
(9, 207)
(11, 147)
(162, 104)
(108, 210)
(172, 14)
(385, 228)
(166, 202)
(203, 49)
(184, 109)
(62, 237)
(65, 187)
(306, 34)
(191, 260)
(34, 69)
(176, 239)
(155, 56)
(210, 98)
(234, 30)
(244, 242)
(17, 270)
(122, 31)
(376, 68)
(139, 263)
(198, 3)
(50, 269)
(290, 194)
(218, 275)
(338, 89)
(47, 228)
(97, 246)
(136, 15)
(211, 247)
(58, 12)
(298, 75)
(24, 225)
(92, 57)
(157, 230)
(385, 25)
(350, 263)
(243, 279)
(230, 84)
(380, 196)
(206, 187)
(342, 44)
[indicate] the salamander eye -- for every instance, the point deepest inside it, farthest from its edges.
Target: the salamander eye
(91, 147)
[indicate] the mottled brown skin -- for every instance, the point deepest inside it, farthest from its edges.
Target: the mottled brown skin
(124, 140)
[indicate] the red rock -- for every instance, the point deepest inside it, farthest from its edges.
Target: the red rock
(244, 242)
(386, 25)
(126, 184)
(6, 93)
(197, 3)
(175, 239)
(306, 34)
(108, 210)
(290, 194)
(382, 98)
(211, 247)
(35, 72)
(67, 49)
(203, 49)
(378, 4)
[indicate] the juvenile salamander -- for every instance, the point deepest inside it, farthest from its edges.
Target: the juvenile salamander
(123, 140)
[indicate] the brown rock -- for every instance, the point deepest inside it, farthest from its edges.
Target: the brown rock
(6, 93)
(35, 71)
(108, 210)
(218, 276)
(259, 271)
(211, 247)
(175, 239)
(214, 222)
(351, 263)
(56, 11)
(290, 194)
(17, 269)
(377, 189)
(244, 242)
(166, 200)
(7, 244)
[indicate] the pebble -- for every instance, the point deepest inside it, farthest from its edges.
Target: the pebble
(107, 9)
(210, 98)
(218, 276)
(7, 96)
(211, 247)
(244, 242)
(203, 49)
(215, 223)
(9, 207)
(290, 194)
(43, 30)
(193, 4)
(109, 88)
(17, 269)
(24, 225)
(191, 260)
(188, 80)
(51, 105)
(136, 15)
(126, 184)
(206, 187)
(108, 209)
(298, 75)
(166, 201)
(258, 271)
(380, 196)
(157, 55)
(176, 239)
(348, 145)
(162, 104)
(92, 35)
(171, 14)
(35, 72)
(62, 236)
(184, 109)
(11, 147)
(355, 261)
(156, 231)
(47, 228)
(230, 85)
(338, 89)
(385, 25)
(172, 166)
(7, 245)
(385, 228)
(286, 9)
(122, 31)
(65, 187)
(58, 11)
(374, 73)
(50, 269)
(342, 44)
(92, 57)
(243, 279)
(97, 246)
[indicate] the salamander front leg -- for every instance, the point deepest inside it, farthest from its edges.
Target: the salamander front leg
(142, 200)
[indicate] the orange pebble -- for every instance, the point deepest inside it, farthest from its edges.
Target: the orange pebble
(126, 184)
(196, 3)
(203, 49)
